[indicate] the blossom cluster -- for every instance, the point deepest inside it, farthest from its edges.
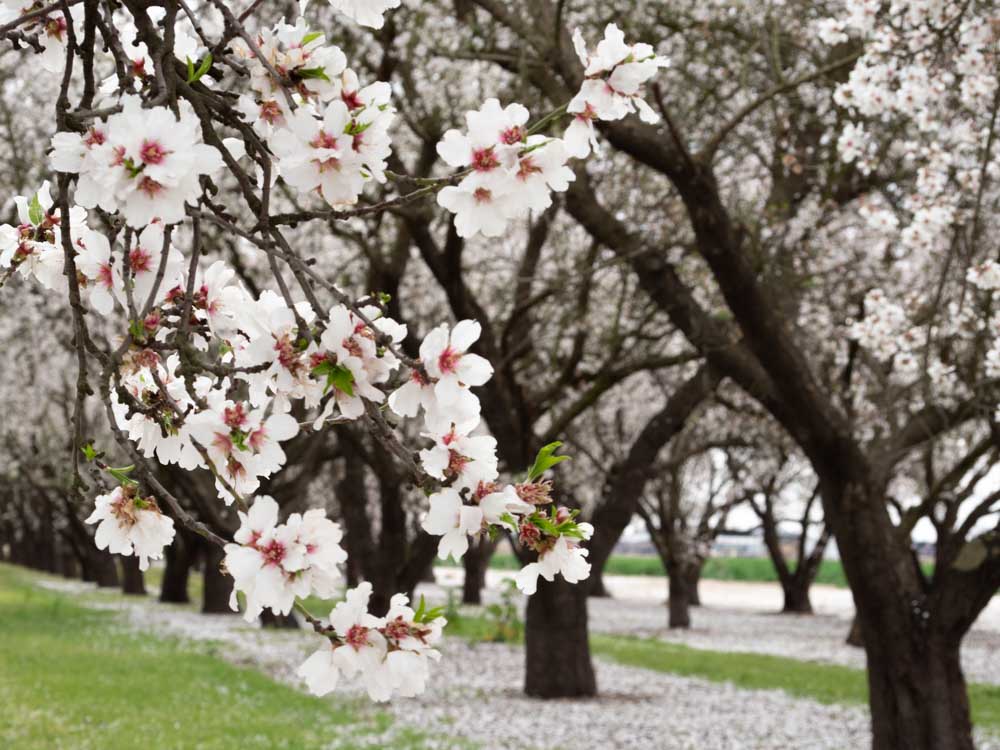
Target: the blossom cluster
(472, 502)
(144, 162)
(510, 170)
(390, 655)
(929, 63)
(272, 564)
(614, 77)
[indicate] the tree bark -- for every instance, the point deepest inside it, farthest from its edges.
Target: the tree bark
(796, 593)
(917, 693)
(270, 620)
(693, 581)
(918, 696)
(105, 570)
(679, 600)
(854, 637)
(179, 558)
(476, 562)
(217, 586)
(557, 651)
(133, 581)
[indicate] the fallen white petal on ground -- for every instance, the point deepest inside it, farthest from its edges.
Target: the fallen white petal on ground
(729, 622)
(476, 697)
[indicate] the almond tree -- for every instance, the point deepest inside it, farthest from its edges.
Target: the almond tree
(779, 200)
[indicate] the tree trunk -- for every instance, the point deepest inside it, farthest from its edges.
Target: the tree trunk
(217, 586)
(133, 582)
(270, 620)
(475, 562)
(595, 584)
(68, 565)
(679, 601)
(917, 693)
(105, 570)
(918, 696)
(557, 650)
(179, 558)
(854, 637)
(693, 580)
(796, 591)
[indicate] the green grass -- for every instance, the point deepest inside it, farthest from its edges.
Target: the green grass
(72, 677)
(825, 683)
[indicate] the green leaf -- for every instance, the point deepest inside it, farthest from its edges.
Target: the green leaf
(206, 64)
(239, 439)
(337, 376)
(423, 614)
(545, 460)
(121, 474)
(88, 451)
(545, 525)
(317, 72)
(420, 609)
(311, 37)
(432, 614)
(36, 214)
(137, 329)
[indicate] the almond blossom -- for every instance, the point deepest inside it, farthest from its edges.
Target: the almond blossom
(447, 359)
(208, 366)
(52, 35)
(510, 172)
(458, 456)
(265, 567)
(565, 557)
(241, 443)
(34, 247)
(453, 521)
(614, 76)
(94, 261)
(388, 654)
(129, 524)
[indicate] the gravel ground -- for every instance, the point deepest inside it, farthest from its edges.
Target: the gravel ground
(475, 697)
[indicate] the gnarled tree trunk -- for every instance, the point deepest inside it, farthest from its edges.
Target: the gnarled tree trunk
(917, 691)
(918, 694)
(557, 650)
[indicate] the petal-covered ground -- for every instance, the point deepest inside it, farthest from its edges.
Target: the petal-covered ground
(475, 698)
